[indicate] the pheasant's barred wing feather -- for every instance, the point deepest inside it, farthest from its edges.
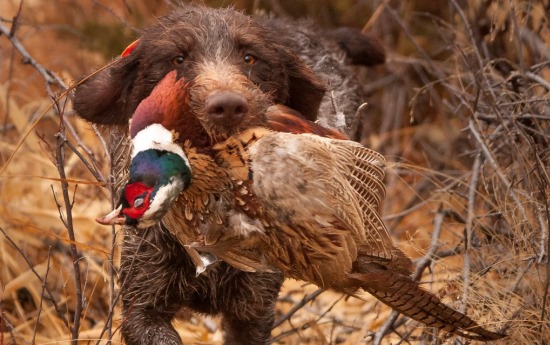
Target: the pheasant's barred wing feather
(363, 170)
(368, 174)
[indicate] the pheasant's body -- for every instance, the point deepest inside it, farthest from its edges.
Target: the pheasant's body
(318, 200)
(314, 214)
(308, 206)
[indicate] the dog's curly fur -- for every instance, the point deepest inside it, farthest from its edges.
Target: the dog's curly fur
(299, 65)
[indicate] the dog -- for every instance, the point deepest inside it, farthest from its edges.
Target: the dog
(291, 63)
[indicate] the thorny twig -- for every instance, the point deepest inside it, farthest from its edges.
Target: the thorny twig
(123, 285)
(116, 150)
(112, 274)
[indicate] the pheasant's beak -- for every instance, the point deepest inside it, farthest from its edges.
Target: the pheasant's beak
(115, 217)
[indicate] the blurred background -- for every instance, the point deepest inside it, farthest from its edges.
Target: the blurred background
(461, 108)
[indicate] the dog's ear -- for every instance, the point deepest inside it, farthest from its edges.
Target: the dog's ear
(361, 48)
(105, 97)
(305, 89)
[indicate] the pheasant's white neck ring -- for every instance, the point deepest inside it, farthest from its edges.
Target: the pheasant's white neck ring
(157, 137)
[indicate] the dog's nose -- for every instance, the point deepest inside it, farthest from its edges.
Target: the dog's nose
(226, 108)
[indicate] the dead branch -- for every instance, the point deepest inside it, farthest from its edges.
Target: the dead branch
(303, 302)
(93, 167)
(489, 157)
(310, 324)
(50, 77)
(469, 231)
(60, 163)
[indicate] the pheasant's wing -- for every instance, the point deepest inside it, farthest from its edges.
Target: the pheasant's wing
(321, 193)
(366, 171)
(297, 178)
(363, 169)
(296, 194)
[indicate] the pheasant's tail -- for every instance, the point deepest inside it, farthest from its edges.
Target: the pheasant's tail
(403, 294)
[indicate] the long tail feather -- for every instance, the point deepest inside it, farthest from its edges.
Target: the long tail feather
(403, 294)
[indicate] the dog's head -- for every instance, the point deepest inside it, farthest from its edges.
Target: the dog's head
(192, 40)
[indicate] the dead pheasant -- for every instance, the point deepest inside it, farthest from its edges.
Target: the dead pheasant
(300, 203)
(161, 166)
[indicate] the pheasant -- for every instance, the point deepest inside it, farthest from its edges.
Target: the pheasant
(145, 198)
(301, 203)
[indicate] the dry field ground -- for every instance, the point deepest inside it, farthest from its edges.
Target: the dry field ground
(461, 108)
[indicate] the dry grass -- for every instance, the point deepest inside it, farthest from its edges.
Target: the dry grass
(462, 107)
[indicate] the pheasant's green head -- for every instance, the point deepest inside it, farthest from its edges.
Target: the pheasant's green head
(159, 170)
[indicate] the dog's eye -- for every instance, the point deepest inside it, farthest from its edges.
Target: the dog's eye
(178, 60)
(249, 59)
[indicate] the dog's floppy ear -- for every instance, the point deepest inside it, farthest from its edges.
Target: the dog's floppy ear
(105, 98)
(305, 89)
(361, 48)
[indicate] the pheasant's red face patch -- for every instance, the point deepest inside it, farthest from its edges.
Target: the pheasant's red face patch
(137, 195)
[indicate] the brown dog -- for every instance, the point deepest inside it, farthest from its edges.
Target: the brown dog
(288, 63)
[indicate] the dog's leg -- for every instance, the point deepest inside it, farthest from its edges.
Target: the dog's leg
(248, 312)
(152, 282)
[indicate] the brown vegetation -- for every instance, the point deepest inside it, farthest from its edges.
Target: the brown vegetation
(462, 107)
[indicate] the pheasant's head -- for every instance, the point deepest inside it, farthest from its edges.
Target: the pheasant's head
(159, 172)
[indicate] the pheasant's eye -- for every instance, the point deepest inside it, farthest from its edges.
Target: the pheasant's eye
(178, 60)
(139, 202)
(250, 59)
(136, 198)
